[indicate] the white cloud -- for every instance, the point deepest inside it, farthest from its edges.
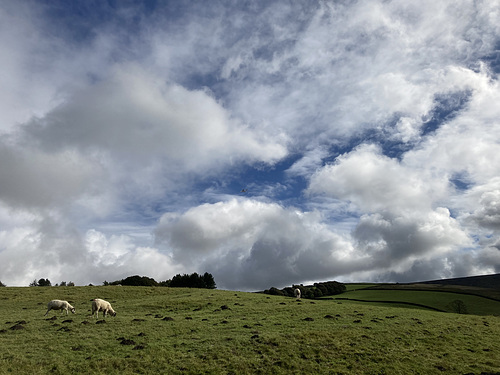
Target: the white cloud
(105, 129)
(116, 257)
(254, 245)
(39, 66)
(488, 213)
(403, 226)
(135, 117)
(32, 179)
(404, 239)
(309, 163)
(351, 68)
(249, 244)
(42, 246)
(468, 143)
(375, 182)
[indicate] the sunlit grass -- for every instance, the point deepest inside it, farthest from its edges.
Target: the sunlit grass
(197, 331)
(438, 300)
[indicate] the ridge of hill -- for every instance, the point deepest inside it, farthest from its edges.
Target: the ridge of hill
(487, 286)
(484, 281)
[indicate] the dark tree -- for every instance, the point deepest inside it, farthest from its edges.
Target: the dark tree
(458, 306)
(194, 281)
(289, 292)
(191, 281)
(136, 281)
(165, 283)
(274, 291)
(41, 282)
(209, 281)
(179, 281)
(317, 290)
(44, 282)
(322, 288)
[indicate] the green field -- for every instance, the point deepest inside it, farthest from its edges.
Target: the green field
(200, 331)
(435, 300)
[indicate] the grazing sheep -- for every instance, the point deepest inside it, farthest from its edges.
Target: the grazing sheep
(102, 305)
(57, 304)
(296, 292)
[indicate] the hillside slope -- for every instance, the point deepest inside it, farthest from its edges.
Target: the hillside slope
(199, 331)
(484, 281)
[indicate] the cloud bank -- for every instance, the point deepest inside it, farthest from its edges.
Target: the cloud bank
(266, 143)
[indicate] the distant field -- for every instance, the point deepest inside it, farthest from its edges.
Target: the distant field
(199, 331)
(351, 287)
(437, 300)
(434, 299)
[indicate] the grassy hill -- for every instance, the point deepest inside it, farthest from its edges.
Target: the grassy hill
(479, 295)
(485, 281)
(428, 299)
(197, 331)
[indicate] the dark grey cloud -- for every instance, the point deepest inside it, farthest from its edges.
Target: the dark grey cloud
(127, 136)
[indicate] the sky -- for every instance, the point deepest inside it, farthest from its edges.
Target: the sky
(268, 143)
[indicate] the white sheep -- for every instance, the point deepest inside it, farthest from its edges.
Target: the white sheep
(296, 292)
(57, 304)
(102, 305)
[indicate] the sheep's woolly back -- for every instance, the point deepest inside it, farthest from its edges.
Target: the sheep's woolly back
(297, 293)
(57, 304)
(102, 305)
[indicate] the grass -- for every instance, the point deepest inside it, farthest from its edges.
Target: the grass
(195, 331)
(439, 300)
(353, 287)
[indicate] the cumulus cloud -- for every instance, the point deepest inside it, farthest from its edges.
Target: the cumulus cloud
(268, 143)
(134, 117)
(29, 179)
(116, 257)
(350, 67)
(409, 237)
(249, 244)
(46, 247)
(375, 182)
(401, 224)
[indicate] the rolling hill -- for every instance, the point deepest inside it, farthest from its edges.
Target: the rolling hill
(485, 281)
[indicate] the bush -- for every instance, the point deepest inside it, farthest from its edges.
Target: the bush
(41, 282)
(191, 281)
(274, 291)
(317, 290)
(135, 281)
(458, 306)
(186, 281)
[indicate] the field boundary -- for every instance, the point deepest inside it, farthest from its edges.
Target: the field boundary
(437, 289)
(391, 302)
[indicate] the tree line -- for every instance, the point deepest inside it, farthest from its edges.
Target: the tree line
(193, 280)
(328, 288)
(46, 282)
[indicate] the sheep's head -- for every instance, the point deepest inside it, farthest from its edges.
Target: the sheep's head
(73, 310)
(112, 313)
